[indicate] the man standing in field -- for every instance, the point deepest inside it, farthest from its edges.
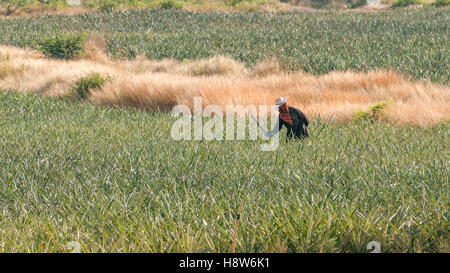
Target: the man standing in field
(292, 118)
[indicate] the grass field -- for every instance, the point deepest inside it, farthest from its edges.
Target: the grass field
(98, 171)
(114, 181)
(413, 42)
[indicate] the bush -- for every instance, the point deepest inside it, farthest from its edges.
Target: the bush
(108, 5)
(353, 4)
(360, 115)
(56, 3)
(170, 4)
(84, 85)
(441, 3)
(89, 5)
(318, 4)
(404, 3)
(62, 46)
(375, 112)
(232, 3)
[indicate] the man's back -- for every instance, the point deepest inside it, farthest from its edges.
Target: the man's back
(298, 115)
(300, 123)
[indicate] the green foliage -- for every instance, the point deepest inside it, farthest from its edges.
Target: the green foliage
(318, 4)
(356, 3)
(404, 3)
(25, 3)
(61, 46)
(16, 3)
(233, 3)
(108, 5)
(89, 4)
(360, 115)
(55, 3)
(114, 181)
(397, 39)
(375, 111)
(84, 85)
(441, 3)
(8, 7)
(170, 4)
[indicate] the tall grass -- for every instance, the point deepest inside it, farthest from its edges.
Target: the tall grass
(160, 85)
(114, 181)
(412, 42)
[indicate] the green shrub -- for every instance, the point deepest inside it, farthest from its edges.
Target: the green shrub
(27, 3)
(170, 4)
(375, 112)
(62, 46)
(232, 3)
(84, 85)
(108, 5)
(318, 4)
(404, 3)
(441, 3)
(16, 3)
(137, 4)
(360, 115)
(56, 3)
(356, 3)
(90, 4)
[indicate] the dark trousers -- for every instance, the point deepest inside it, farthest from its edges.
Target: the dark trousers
(298, 131)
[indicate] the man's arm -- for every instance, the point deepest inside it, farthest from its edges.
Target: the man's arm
(275, 129)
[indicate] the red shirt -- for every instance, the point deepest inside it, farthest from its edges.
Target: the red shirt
(284, 114)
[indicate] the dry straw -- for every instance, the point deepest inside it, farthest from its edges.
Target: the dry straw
(162, 84)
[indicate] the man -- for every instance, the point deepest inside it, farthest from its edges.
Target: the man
(292, 118)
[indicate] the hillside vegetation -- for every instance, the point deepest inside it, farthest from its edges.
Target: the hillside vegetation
(35, 7)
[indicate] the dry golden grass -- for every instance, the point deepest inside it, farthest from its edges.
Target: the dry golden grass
(159, 85)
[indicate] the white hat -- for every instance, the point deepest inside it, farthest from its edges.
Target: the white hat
(281, 100)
